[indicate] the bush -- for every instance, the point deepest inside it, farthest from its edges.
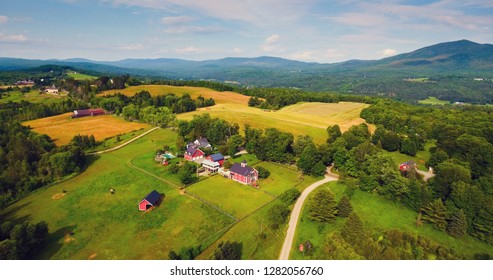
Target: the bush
(262, 172)
(278, 213)
(290, 196)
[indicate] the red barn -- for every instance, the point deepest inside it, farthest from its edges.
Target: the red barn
(193, 153)
(218, 157)
(406, 166)
(150, 200)
(244, 174)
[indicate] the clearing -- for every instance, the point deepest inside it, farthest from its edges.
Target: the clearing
(433, 101)
(80, 76)
(31, 96)
(62, 128)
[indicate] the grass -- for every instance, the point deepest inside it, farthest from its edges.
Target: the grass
(433, 101)
(62, 128)
(31, 96)
(378, 213)
(281, 178)
(106, 226)
(237, 199)
(299, 119)
(146, 161)
(79, 76)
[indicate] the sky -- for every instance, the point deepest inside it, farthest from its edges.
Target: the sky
(305, 30)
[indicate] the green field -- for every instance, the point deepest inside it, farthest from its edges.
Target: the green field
(433, 101)
(106, 226)
(80, 76)
(31, 96)
(421, 156)
(379, 213)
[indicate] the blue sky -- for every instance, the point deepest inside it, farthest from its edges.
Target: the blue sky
(307, 30)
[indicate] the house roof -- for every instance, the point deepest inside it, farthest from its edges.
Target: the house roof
(242, 170)
(153, 197)
(203, 142)
(191, 150)
(217, 157)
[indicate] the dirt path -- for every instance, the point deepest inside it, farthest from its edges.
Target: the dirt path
(295, 214)
(426, 175)
(124, 144)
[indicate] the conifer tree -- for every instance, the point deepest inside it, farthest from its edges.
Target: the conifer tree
(344, 207)
(436, 214)
(322, 206)
(352, 229)
(458, 224)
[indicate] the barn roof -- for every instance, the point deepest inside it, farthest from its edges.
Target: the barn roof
(242, 170)
(153, 197)
(217, 157)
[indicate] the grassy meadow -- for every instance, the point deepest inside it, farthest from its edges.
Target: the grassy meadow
(87, 222)
(433, 101)
(31, 96)
(62, 128)
(80, 76)
(379, 213)
(299, 119)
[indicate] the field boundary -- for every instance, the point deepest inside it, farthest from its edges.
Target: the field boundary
(122, 145)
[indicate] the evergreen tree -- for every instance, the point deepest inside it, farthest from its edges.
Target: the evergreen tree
(227, 251)
(436, 214)
(458, 224)
(352, 231)
(344, 207)
(322, 206)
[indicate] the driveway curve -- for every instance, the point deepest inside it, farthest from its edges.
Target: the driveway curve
(295, 214)
(124, 144)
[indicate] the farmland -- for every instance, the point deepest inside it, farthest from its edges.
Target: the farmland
(80, 76)
(87, 221)
(31, 96)
(62, 128)
(299, 119)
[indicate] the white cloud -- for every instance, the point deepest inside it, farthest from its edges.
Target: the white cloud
(131, 47)
(4, 19)
(237, 50)
(193, 30)
(12, 38)
(189, 49)
(272, 39)
(178, 20)
(304, 56)
(271, 44)
(387, 52)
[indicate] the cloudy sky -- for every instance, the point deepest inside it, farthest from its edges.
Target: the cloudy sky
(307, 30)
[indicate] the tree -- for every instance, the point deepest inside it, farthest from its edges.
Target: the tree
(322, 206)
(228, 251)
(436, 214)
(344, 207)
(290, 196)
(390, 141)
(334, 133)
(457, 226)
(307, 159)
(278, 213)
(302, 141)
(352, 231)
(187, 173)
(262, 172)
(448, 173)
(234, 143)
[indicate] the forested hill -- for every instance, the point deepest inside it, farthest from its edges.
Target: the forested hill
(453, 71)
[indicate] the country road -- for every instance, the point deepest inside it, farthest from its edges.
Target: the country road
(295, 214)
(124, 144)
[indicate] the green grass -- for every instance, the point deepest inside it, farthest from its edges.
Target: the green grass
(109, 226)
(281, 178)
(79, 76)
(146, 161)
(31, 96)
(421, 156)
(237, 199)
(116, 140)
(378, 213)
(250, 159)
(433, 101)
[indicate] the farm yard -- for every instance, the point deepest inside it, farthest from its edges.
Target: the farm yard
(31, 96)
(62, 128)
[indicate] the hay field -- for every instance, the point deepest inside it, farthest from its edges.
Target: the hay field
(154, 90)
(62, 128)
(299, 119)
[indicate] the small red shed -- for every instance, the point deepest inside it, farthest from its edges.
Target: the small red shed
(150, 200)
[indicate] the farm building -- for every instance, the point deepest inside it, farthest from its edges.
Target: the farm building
(406, 166)
(200, 143)
(193, 153)
(211, 166)
(88, 112)
(244, 174)
(218, 157)
(51, 90)
(152, 199)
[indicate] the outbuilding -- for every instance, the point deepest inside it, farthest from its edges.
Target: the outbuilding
(152, 199)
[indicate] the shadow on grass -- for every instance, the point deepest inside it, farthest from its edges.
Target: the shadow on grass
(10, 215)
(55, 241)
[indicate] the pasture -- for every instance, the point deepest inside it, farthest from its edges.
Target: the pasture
(433, 101)
(391, 215)
(31, 96)
(80, 76)
(90, 222)
(62, 128)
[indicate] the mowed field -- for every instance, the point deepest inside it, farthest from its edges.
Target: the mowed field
(62, 128)
(31, 96)
(86, 221)
(299, 119)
